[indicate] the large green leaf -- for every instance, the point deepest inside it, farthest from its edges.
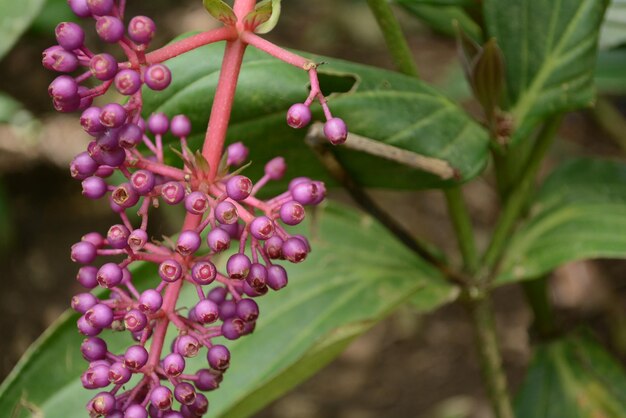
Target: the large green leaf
(610, 76)
(550, 50)
(15, 17)
(574, 378)
(580, 212)
(443, 16)
(423, 121)
(356, 274)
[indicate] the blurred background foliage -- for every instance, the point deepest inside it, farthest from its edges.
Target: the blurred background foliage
(42, 212)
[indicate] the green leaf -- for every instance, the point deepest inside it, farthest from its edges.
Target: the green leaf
(355, 276)
(574, 378)
(487, 77)
(264, 17)
(580, 212)
(221, 11)
(424, 121)
(442, 16)
(550, 50)
(610, 76)
(613, 32)
(15, 18)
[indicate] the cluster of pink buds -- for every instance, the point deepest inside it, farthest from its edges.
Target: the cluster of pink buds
(222, 213)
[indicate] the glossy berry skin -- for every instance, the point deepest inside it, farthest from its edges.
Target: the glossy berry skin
(173, 364)
(69, 35)
(188, 243)
(79, 7)
(237, 154)
(173, 192)
(117, 236)
(187, 346)
(298, 115)
(99, 316)
(275, 168)
(206, 311)
(135, 357)
(292, 213)
(100, 7)
(112, 115)
(247, 310)
(158, 123)
(103, 66)
(58, 59)
(239, 187)
(232, 328)
(109, 275)
(170, 270)
(262, 228)
(238, 266)
(129, 136)
(63, 88)
(161, 398)
(157, 77)
(218, 357)
(185, 393)
(336, 131)
(110, 29)
(93, 348)
(226, 213)
(127, 82)
(142, 181)
(103, 403)
(150, 301)
(137, 239)
(218, 240)
(82, 302)
(294, 250)
(197, 203)
(90, 121)
(180, 126)
(83, 252)
(276, 277)
(203, 272)
(141, 29)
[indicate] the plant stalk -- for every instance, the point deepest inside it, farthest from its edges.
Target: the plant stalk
(395, 40)
(462, 224)
(517, 200)
(536, 292)
(492, 371)
(610, 120)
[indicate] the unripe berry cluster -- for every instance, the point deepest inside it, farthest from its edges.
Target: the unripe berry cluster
(222, 212)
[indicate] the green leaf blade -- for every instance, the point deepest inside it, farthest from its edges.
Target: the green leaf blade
(15, 18)
(550, 50)
(579, 212)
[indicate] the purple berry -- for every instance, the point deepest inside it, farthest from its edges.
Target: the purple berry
(110, 29)
(69, 35)
(130, 135)
(82, 302)
(232, 328)
(103, 66)
(173, 192)
(83, 252)
(276, 277)
(336, 131)
(173, 364)
(63, 88)
(292, 213)
(218, 240)
(206, 311)
(100, 7)
(135, 357)
(137, 239)
(79, 7)
(196, 203)
(135, 320)
(127, 82)
(86, 276)
(136, 411)
(158, 123)
(150, 301)
(257, 276)
(238, 266)
(275, 168)
(117, 236)
(200, 406)
(234, 230)
(185, 393)
(109, 275)
(188, 243)
(99, 316)
(170, 270)
(58, 59)
(247, 310)
(238, 187)
(187, 346)
(217, 295)
(237, 154)
(273, 247)
(86, 328)
(181, 126)
(228, 309)
(218, 357)
(141, 29)
(157, 77)
(262, 228)
(102, 404)
(298, 115)
(93, 348)
(142, 181)
(119, 374)
(94, 187)
(203, 272)
(226, 213)
(161, 397)
(90, 121)
(106, 141)
(125, 196)
(308, 193)
(208, 379)
(112, 115)
(295, 250)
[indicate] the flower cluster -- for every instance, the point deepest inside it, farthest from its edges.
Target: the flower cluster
(223, 215)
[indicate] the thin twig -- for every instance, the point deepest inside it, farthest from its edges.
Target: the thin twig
(340, 174)
(411, 159)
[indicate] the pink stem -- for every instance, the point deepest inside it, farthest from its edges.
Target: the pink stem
(159, 168)
(185, 45)
(276, 51)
